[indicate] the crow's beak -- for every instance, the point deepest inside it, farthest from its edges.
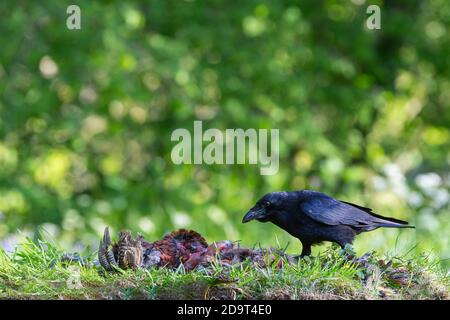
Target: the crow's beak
(251, 215)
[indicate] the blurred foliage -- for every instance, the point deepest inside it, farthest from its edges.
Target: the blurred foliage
(86, 115)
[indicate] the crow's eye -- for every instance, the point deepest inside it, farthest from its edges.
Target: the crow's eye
(267, 204)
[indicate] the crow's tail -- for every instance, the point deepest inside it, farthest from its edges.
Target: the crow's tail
(388, 222)
(381, 221)
(394, 225)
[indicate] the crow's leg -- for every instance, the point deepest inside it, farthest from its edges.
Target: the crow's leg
(344, 236)
(306, 250)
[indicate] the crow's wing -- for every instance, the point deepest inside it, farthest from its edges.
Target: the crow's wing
(330, 211)
(333, 212)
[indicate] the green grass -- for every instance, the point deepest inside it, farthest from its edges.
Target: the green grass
(35, 271)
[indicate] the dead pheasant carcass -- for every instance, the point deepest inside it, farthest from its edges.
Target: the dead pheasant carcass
(182, 246)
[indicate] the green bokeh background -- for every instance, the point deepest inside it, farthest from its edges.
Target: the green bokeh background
(86, 115)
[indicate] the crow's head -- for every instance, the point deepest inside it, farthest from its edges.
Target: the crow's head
(266, 207)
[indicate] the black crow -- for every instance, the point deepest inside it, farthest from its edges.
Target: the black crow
(313, 217)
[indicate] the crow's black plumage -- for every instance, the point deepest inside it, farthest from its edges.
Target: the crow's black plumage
(313, 217)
